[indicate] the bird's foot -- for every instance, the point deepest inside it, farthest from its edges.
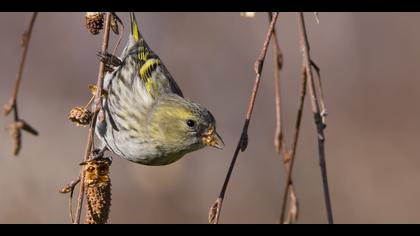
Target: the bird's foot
(111, 61)
(98, 154)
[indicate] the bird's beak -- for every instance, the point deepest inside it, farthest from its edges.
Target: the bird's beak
(213, 139)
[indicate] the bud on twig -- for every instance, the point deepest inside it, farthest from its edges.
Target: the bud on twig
(25, 126)
(8, 107)
(214, 211)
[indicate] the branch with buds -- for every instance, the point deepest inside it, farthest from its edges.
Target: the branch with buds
(214, 212)
(19, 124)
(94, 173)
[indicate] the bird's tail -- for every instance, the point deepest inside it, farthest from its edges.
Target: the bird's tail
(135, 32)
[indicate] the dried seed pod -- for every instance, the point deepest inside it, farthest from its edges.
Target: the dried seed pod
(16, 134)
(98, 204)
(94, 22)
(114, 26)
(81, 116)
(97, 171)
(98, 190)
(115, 20)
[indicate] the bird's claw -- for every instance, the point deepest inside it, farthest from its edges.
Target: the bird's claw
(110, 61)
(98, 154)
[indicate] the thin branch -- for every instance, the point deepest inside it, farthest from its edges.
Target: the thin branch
(279, 142)
(278, 62)
(324, 112)
(69, 188)
(215, 209)
(11, 105)
(98, 107)
(121, 34)
(291, 157)
(304, 44)
(26, 37)
(293, 212)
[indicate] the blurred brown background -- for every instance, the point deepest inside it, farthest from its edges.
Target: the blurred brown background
(369, 62)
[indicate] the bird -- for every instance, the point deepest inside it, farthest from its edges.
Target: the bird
(146, 118)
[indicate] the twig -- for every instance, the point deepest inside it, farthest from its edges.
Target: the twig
(69, 188)
(215, 209)
(26, 36)
(98, 107)
(118, 22)
(11, 105)
(324, 112)
(307, 65)
(291, 157)
(279, 142)
(293, 212)
(278, 62)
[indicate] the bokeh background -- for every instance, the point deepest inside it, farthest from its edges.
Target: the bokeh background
(370, 66)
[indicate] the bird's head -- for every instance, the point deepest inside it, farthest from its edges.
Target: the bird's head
(182, 126)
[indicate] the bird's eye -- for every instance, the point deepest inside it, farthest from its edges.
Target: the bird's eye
(190, 123)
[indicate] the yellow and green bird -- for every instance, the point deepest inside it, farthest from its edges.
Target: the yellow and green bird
(146, 118)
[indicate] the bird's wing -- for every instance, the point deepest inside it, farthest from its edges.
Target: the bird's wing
(135, 85)
(149, 69)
